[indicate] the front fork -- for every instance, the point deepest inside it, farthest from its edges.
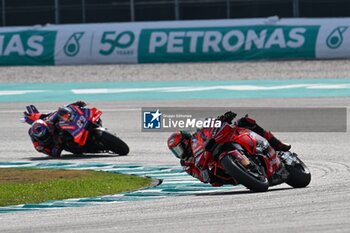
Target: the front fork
(240, 157)
(288, 159)
(278, 177)
(253, 166)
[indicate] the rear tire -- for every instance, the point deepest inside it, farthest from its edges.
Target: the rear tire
(113, 143)
(243, 176)
(299, 176)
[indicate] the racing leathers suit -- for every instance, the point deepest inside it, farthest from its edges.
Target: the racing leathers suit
(56, 143)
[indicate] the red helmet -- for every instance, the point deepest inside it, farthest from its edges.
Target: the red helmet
(180, 144)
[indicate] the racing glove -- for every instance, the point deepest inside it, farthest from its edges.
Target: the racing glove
(246, 122)
(32, 114)
(227, 117)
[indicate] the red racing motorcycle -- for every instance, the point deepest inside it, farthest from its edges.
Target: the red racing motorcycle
(241, 156)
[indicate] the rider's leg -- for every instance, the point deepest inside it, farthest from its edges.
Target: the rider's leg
(275, 142)
(251, 124)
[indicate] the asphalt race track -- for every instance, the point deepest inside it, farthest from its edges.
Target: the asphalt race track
(324, 206)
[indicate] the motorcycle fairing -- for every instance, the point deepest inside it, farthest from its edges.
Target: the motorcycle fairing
(79, 120)
(256, 145)
(244, 137)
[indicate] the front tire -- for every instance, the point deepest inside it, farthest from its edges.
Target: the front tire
(113, 143)
(299, 176)
(254, 182)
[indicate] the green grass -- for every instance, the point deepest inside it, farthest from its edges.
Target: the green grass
(21, 186)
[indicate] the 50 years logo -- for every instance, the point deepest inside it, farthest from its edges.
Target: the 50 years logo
(113, 40)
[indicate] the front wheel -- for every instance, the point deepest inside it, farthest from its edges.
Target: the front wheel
(253, 179)
(113, 143)
(300, 175)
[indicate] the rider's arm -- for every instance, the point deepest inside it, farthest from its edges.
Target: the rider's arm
(54, 116)
(227, 117)
(53, 152)
(40, 148)
(246, 122)
(32, 114)
(31, 117)
(221, 134)
(191, 169)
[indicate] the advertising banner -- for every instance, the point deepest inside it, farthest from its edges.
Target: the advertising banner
(107, 43)
(333, 40)
(227, 43)
(176, 41)
(27, 47)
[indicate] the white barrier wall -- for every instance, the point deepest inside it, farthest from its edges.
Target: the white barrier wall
(176, 41)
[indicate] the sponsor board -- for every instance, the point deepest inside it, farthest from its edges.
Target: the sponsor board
(97, 45)
(178, 41)
(227, 43)
(27, 47)
(334, 40)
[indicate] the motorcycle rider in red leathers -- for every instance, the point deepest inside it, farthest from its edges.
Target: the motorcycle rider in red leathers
(44, 133)
(180, 144)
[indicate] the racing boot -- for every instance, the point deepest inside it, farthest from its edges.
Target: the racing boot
(275, 143)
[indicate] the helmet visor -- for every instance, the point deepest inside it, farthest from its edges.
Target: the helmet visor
(178, 150)
(38, 129)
